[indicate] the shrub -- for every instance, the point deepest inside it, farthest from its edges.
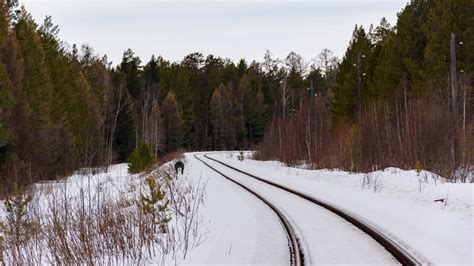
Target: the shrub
(18, 227)
(155, 204)
(418, 167)
(140, 159)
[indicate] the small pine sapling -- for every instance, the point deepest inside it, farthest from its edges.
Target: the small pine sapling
(18, 225)
(418, 167)
(156, 205)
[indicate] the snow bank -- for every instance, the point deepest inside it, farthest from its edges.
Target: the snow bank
(401, 203)
(102, 209)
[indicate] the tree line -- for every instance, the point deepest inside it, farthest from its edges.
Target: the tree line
(387, 102)
(392, 101)
(63, 107)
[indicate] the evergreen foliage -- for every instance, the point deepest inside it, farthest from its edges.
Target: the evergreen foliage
(173, 124)
(140, 159)
(156, 204)
(66, 107)
(18, 226)
(390, 103)
(418, 167)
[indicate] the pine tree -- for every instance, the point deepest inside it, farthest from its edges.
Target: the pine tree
(149, 125)
(102, 105)
(19, 225)
(17, 118)
(124, 139)
(130, 67)
(443, 18)
(351, 87)
(156, 204)
(218, 118)
(140, 159)
(385, 79)
(67, 112)
(6, 97)
(222, 118)
(38, 91)
(172, 122)
(254, 110)
(411, 42)
(6, 103)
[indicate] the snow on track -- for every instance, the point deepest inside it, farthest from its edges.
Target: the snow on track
(241, 228)
(293, 245)
(326, 238)
(436, 233)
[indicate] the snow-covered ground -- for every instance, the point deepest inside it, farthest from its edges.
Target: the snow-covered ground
(237, 228)
(240, 228)
(401, 203)
(324, 238)
(232, 226)
(102, 212)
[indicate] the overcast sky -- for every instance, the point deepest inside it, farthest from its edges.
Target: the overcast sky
(233, 29)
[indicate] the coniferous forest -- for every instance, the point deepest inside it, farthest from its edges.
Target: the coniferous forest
(387, 102)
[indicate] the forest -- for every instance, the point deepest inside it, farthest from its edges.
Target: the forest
(387, 102)
(401, 96)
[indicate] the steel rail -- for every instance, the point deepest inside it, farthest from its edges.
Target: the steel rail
(397, 251)
(297, 257)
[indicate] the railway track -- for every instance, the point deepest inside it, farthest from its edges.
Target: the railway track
(293, 243)
(398, 252)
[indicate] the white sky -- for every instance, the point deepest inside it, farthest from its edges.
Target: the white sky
(233, 29)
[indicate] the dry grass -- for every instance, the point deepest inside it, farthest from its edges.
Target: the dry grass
(96, 226)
